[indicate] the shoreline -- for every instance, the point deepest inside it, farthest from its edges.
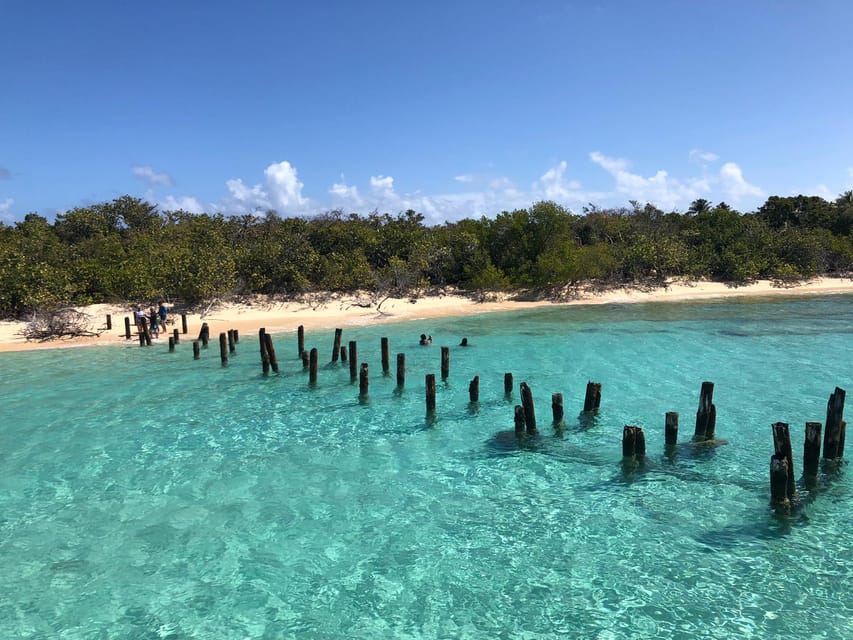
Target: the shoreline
(348, 310)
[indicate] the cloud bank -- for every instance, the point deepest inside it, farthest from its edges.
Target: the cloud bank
(474, 195)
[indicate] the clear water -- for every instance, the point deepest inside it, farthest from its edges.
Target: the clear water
(147, 495)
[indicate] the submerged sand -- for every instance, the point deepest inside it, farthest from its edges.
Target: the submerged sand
(352, 310)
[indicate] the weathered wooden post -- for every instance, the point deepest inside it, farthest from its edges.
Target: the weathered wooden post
(343, 354)
(508, 384)
(204, 334)
(706, 416)
(183, 323)
(519, 420)
(300, 340)
(811, 449)
(833, 446)
(671, 428)
(313, 356)
(336, 347)
(223, 349)
(265, 357)
(779, 483)
(353, 360)
(592, 398)
(176, 336)
(633, 443)
(474, 389)
(145, 334)
(430, 394)
(109, 322)
(304, 359)
(231, 341)
(782, 448)
(445, 363)
(196, 350)
(527, 404)
(271, 352)
(557, 407)
(401, 370)
(236, 336)
(362, 381)
(383, 347)
(171, 344)
(127, 328)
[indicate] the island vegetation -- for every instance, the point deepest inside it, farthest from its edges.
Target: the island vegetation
(127, 250)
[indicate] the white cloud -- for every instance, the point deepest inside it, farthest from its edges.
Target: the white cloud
(149, 176)
(383, 185)
(660, 189)
(245, 199)
(702, 157)
(733, 183)
(555, 187)
(184, 203)
(341, 192)
(284, 187)
(464, 178)
(5, 208)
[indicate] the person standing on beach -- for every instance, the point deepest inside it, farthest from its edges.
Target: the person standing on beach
(155, 323)
(163, 312)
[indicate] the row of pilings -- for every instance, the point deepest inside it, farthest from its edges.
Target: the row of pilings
(783, 487)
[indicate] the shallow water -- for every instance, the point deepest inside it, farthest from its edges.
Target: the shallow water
(147, 495)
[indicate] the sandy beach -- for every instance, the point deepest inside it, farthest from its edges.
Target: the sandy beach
(347, 311)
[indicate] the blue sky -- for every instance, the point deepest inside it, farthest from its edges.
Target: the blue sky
(454, 109)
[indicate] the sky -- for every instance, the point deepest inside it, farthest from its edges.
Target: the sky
(453, 108)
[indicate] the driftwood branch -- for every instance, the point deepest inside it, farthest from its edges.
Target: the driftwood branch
(58, 324)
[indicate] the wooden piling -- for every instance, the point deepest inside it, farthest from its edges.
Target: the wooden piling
(386, 366)
(109, 322)
(171, 344)
(832, 440)
(508, 384)
(557, 407)
(474, 389)
(353, 360)
(430, 393)
(196, 350)
(204, 334)
(779, 482)
(271, 352)
(445, 362)
(144, 333)
(300, 340)
(811, 449)
(183, 323)
(265, 357)
(127, 334)
(336, 347)
(782, 447)
(401, 370)
(313, 356)
(592, 398)
(343, 354)
(176, 336)
(363, 381)
(706, 415)
(519, 420)
(231, 341)
(223, 348)
(236, 336)
(671, 428)
(633, 443)
(304, 359)
(529, 412)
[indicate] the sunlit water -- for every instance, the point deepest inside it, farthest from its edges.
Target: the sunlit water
(148, 495)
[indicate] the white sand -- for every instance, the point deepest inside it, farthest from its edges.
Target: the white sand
(348, 311)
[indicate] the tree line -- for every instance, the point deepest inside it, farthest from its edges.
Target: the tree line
(128, 250)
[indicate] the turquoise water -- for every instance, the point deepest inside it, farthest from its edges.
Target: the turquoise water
(147, 495)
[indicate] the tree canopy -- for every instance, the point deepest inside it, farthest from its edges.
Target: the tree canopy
(129, 250)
